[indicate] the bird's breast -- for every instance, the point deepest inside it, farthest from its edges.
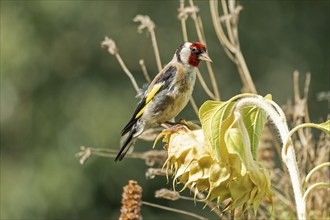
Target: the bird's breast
(167, 104)
(178, 97)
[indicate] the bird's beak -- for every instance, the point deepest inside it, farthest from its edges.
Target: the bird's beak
(204, 56)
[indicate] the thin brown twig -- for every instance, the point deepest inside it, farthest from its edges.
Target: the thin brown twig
(306, 91)
(144, 70)
(112, 49)
(173, 195)
(183, 17)
(204, 85)
(194, 17)
(211, 205)
(174, 210)
(194, 105)
(229, 54)
(298, 103)
(285, 200)
(242, 63)
(243, 79)
(128, 73)
(156, 51)
(147, 23)
(213, 81)
(201, 196)
(228, 25)
(217, 26)
(199, 20)
(198, 25)
(232, 45)
(151, 157)
(296, 86)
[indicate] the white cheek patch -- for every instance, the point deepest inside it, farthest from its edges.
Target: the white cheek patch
(185, 53)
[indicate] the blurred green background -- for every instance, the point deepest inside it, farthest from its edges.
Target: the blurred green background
(61, 90)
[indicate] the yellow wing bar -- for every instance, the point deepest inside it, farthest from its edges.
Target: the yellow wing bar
(150, 95)
(153, 92)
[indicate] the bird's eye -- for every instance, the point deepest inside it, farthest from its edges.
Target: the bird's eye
(194, 49)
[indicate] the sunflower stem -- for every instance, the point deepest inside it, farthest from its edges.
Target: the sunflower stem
(288, 157)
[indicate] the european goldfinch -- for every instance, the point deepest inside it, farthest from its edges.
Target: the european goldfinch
(167, 94)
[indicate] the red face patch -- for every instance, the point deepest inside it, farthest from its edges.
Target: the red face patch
(198, 45)
(196, 49)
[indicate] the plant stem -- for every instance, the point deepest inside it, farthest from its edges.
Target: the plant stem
(228, 25)
(194, 105)
(314, 186)
(248, 158)
(211, 205)
(156, 51)
(289, 158)
(128, 73)
(232, 44)
(242, 63)
(203, 83)
(174, 210)
(305, 125)
(309, 175)
(202, 40)
(183, 19)
(144, 70)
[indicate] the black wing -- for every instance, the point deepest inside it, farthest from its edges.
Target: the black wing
(132, 121)
(166, 78)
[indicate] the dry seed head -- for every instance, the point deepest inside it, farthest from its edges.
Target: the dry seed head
(110, 45)
(193, 163)
(188, 157)
(153, 157)
(167, 194)
(131, 201)
(185, 12)
(145, 21)
(153, 172)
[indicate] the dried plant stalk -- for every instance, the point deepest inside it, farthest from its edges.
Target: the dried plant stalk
(147, 23)
(197, 21)
(113, 50)
(144, 70)
(174, 210)
(183, 18)
(183, 15)
(232, 44)
(151, 157)
(194, 105)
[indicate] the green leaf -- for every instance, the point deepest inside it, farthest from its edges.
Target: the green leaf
(254, 119)
(233, 139)
(240, 189)
(216, 117)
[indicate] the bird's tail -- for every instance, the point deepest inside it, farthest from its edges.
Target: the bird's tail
(128, 140)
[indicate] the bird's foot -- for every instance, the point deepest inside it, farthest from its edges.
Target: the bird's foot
(182, 122)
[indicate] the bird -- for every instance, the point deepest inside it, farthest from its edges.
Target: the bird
(167, 94)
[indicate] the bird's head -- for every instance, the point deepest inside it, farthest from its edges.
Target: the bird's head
(192, 53)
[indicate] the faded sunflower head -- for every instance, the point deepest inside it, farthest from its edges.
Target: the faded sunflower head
(219, 158)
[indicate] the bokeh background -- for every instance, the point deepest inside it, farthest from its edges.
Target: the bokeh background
(61, 90)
